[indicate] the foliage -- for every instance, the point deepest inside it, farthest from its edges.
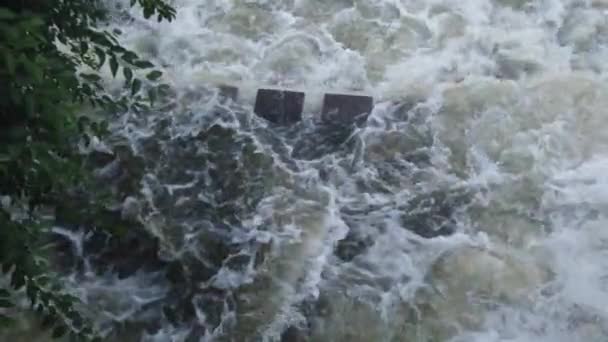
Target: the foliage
(52, 55)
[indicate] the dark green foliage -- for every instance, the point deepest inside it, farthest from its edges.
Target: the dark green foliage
(44, 46)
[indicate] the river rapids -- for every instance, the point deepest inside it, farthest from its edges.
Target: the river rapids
(471, 206)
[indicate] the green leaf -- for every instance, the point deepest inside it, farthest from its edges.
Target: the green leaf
(5, 321)
(164, 89)
(129, 57)
(86, 89)
(15, 95)
(113, 65)
(32, 293)
(34, 22)
(104, 127)
(101, 55)
(135, 87)
(17, 280)
(154, 75)
(30, 107)
(6, 266)
(143, 64)
(128, 73)
(91, 77)
(6, 304)
(6, 14)
(99, 38)
(10, 63)
(148, 11)
(35, 71)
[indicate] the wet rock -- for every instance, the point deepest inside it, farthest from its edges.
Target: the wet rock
(279, 106)
(352, 245)
(428, 226)
(432, 215)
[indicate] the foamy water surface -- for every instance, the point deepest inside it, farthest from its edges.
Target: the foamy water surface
(491, 122)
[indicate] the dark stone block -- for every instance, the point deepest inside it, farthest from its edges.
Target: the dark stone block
(279, 106)
(228, 93)
(341, 108)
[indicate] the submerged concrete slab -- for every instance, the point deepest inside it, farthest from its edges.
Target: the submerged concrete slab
(279, 106)
(348, 109)
(227, 92)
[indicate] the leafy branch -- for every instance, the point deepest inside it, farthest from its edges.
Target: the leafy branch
(51, 58)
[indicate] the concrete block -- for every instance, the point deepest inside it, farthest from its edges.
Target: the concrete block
(346, 109)
(279, 106)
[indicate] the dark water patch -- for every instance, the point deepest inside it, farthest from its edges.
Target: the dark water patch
(434, 214)
(324, 139)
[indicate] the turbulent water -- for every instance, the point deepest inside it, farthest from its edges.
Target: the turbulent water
(471, 206)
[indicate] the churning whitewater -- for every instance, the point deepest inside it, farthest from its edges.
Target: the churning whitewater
(471, 206)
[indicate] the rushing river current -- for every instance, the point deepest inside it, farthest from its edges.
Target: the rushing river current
(472, 205)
